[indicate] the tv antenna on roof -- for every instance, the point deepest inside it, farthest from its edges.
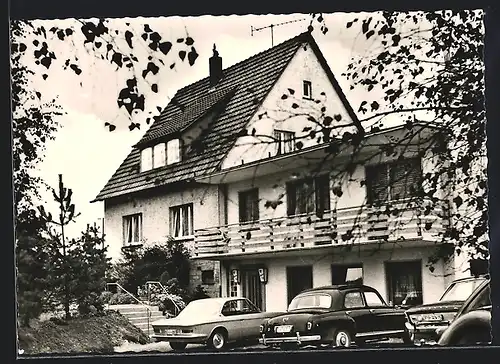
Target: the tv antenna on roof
(271, 27)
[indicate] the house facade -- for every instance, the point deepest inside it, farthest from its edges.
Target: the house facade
(256, 169)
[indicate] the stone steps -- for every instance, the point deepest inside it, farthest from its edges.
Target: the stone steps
(138, 315)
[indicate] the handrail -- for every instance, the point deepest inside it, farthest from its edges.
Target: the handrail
(148, 283)
(135, 298)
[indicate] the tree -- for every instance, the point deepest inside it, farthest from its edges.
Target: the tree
(428, 65)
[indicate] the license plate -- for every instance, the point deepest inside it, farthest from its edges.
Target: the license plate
(171, 332)
(432, 317)
(284, 328)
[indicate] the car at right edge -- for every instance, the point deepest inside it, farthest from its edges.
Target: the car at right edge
(472, 324)
(426, 322)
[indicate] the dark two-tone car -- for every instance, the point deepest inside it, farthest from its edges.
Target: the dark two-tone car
(426, 322)
(472, 324)
(335, 316)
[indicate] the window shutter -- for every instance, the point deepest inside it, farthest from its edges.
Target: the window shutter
(377, 178)
(255, 205)
(242, 203)
(405, 177)
(277, 141)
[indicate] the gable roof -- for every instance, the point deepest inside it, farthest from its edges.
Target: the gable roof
(244, 86)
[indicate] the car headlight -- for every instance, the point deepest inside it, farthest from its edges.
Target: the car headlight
(309, 325)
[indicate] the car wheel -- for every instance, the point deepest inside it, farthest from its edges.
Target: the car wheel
(342, 339)
(178, 346)
(217, 340)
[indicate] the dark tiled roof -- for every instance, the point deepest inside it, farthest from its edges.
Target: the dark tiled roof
(251, 79)
(173, 120)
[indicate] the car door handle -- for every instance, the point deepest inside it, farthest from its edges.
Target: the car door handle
(348, 312)
(372, 310)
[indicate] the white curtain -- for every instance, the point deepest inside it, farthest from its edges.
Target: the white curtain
(173, 151)
(159, 155)
(127, 222)
(146, 159)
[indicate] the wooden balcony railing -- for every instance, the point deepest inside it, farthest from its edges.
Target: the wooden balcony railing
(404, 220)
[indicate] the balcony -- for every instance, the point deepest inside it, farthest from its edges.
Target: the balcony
(401, 221)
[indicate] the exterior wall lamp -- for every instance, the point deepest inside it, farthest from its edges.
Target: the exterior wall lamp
(263, 275)
(235, 276)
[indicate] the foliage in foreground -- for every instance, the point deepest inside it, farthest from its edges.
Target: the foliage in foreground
(99, 334)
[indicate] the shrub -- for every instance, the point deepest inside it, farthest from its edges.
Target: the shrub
(121, 299)
(106, 297)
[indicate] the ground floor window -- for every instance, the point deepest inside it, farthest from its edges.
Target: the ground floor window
(347, 273)
(252, 287)
(299, 278)
(404, 280)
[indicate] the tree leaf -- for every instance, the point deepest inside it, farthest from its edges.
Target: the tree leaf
(192, 56)
(128, 37)
(182, 55)
(165, 47)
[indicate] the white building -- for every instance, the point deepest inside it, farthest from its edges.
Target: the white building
(223, 170)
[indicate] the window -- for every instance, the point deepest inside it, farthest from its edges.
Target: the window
(153, 157)
(285, 141)
(159, 155)
(307, 89)
(404, 282)
(373, 300)
(461, 290)
(249, 205)
(181, 219)
(238, 307)
(342, 274)
(310, 301)
(393, 181)
(308, 195)
(299, 278)
(173, 151)
(353, 300)
(208, 276)
(146, 159)
(132, 229)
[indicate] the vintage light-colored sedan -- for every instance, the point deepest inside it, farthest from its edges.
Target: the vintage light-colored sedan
(213, 322)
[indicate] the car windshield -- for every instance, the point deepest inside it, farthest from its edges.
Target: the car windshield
(203, 307)
(461, 290)
(310, 301)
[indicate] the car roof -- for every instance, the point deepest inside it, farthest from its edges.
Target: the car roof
(338, 287)
(471, 278)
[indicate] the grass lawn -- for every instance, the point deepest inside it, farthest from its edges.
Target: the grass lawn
(79, 335)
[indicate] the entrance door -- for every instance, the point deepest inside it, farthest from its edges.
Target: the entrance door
(252, 287)
(299, 278)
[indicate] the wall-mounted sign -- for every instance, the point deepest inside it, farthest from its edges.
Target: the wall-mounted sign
(235, 275)
(263, 275)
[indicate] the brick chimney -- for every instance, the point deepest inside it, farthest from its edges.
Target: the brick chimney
(215, 68)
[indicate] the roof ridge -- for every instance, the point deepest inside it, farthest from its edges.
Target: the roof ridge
(290, 40)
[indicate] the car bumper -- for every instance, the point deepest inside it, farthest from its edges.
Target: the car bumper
(289, 339)
(185, 338)
(427, 335)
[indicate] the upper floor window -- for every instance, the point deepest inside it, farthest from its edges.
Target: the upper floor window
(307, 89)
(285, 141)
(394, 180)
(249, 205)
(308, 195)
(173, 151)
(132, 229)
(160, 154)
(181, 221)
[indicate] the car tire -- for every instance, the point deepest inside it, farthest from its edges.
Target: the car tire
(177, 346)
(217, 340)
(342, 338)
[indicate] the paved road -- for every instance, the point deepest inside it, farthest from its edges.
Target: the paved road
(164, 347)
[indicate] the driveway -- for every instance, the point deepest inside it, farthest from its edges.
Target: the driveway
(163, 347)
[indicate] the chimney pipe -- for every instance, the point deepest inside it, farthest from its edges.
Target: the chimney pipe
(215, 68)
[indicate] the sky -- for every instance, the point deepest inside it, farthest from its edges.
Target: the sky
(87, 154)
